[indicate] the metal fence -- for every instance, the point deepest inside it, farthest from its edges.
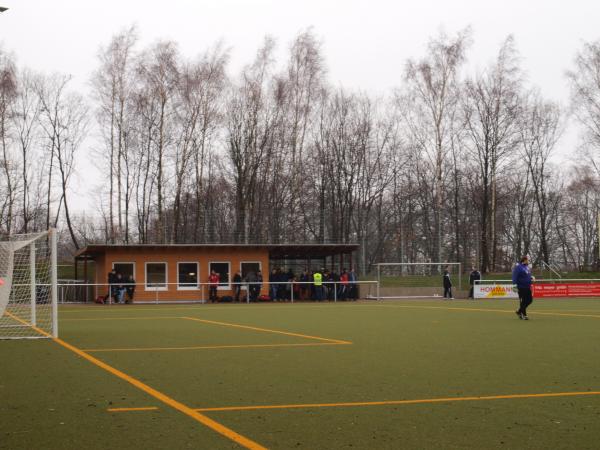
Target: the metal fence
(73, 291)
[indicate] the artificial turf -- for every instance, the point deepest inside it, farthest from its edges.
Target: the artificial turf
(51, 398)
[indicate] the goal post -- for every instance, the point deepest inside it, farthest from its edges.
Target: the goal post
(28, 286)
(416, 279)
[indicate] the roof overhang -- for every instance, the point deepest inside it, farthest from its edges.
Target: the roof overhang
(276, 251)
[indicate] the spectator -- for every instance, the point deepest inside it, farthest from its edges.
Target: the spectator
(447, 284)
(475, 276)
(344, 280)
(296, 289)
(289, 278)
(130, 288)
(237, 286)
(119, 289)
(352, 279)
(318, 285)
(281, 282)
(257, 286)
(251, 278)
(213, 283)
(112, 278)
(304, 287)
(327, 287)
(273, 278)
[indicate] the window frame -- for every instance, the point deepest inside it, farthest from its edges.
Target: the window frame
(189, 288)
(152, 288)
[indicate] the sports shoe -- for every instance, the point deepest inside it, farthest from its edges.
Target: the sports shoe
(519, 314)
(524, 317)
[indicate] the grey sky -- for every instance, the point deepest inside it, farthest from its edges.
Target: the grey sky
(365, 42)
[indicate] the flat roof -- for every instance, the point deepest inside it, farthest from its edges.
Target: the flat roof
(276, 251)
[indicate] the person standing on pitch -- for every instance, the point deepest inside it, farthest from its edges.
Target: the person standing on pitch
(522, 277)
(475, 276)
(447, 284)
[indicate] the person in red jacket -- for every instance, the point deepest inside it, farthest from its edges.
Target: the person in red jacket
(344, 280)
(213, 282)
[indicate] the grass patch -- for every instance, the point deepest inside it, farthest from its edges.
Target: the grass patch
(405, 350)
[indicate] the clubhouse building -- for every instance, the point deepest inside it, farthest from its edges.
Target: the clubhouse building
(179, 272)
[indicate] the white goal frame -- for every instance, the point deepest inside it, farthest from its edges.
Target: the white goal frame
(37, 320)
(409, 264)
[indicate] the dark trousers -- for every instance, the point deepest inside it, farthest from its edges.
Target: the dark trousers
(319, 293)
(212, 293)
(447, 291)
(254, 290)
(525, 299)
(471, 294)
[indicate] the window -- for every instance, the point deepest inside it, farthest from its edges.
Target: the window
(187, 275)
(222, 268)
(156, 276)
(126, 269)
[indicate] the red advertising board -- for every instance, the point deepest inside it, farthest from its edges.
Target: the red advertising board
(541, 290)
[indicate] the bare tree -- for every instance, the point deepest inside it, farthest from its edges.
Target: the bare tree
(249, 134)
(158, 72)
(585, 95)
(25, 116)
(112, 89)
(64, 119)
(199, 113)
(429, 104)
(8, 94)
(491, 107)
(540, 131)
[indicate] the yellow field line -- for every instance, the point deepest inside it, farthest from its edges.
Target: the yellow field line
(209, 347)
(207, 307)
(398, 402)
(578, 311)
(506, 311)
(78, 319)
(207, 421)
(145, 408)
(266, 330)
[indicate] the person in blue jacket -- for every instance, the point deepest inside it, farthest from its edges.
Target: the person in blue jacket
(522, 277)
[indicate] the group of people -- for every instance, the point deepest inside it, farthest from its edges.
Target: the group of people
(285, 285)
(118, 286)
(323, 285)
(474, 276)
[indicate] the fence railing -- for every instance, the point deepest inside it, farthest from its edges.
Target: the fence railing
(544, 280)
(71, 291)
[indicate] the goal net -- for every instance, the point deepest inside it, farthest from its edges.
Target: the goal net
(416, 279)
(28, 296)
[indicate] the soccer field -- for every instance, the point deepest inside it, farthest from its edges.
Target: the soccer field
(372, 375)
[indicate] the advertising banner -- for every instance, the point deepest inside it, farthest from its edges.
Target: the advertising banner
(494, 291)
(546, 290)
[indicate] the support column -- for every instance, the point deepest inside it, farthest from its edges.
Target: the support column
(85, 279)
(54, 281)
(32, 275)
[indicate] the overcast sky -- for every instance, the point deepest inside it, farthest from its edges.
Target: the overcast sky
(366, 43)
